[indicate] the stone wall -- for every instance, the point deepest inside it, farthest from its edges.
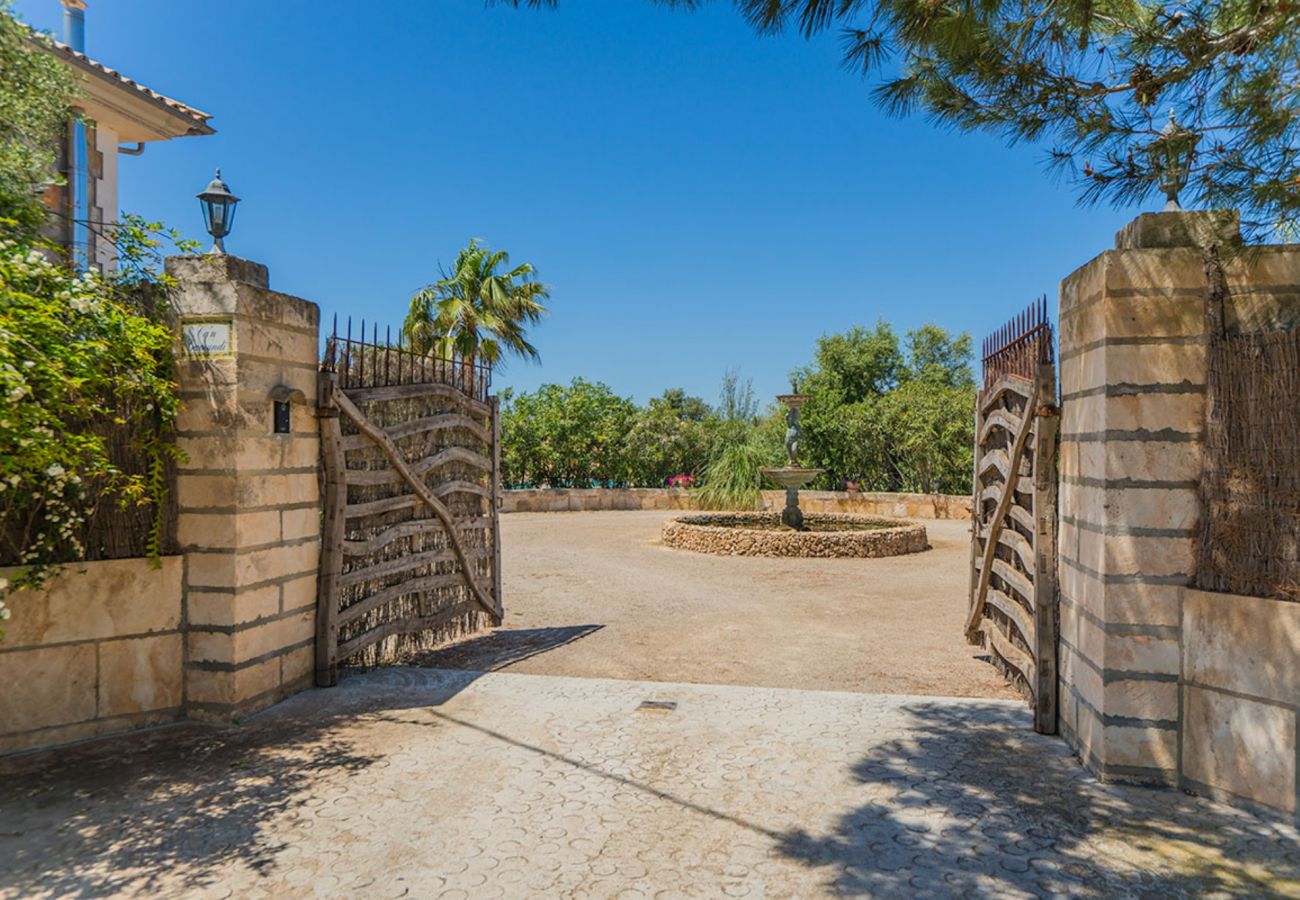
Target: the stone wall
(1241, 699)
(1133, 374)
(912, 506)
(227, 627)
(97, 651)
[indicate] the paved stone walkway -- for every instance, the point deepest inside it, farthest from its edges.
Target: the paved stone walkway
(429, 783)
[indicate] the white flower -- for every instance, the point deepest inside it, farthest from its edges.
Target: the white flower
(55, 471)
(4, 613)
(4, 586)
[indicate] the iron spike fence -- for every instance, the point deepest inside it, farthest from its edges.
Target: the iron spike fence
(373, 361)
(1020, 346)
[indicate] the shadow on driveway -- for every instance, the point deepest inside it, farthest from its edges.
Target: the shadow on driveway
(501, 648)
(977, 805)
(881, 796)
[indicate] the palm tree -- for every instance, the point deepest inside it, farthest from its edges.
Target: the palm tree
(476, 310)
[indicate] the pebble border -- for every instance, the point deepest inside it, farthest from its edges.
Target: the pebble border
(725, 534)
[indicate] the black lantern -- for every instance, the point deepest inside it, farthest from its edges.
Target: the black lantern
(218, 211)
(1172, 154)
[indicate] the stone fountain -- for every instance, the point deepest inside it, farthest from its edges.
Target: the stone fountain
(825, 534)
(792, 476)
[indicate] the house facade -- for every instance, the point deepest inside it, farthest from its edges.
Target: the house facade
(116, 117)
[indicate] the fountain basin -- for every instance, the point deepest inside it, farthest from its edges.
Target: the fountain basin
(791, 476)
(828, 535)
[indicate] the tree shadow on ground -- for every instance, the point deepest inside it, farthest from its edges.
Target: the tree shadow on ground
(121, 814)
(979, 805)
(970, 803)
(500, 648)
(128, 814)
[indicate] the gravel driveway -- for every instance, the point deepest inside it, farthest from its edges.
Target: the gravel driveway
(596, 594)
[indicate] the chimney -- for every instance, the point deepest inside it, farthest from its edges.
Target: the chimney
(74, 24)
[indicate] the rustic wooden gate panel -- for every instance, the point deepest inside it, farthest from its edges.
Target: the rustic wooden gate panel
(1013, 604)
(411, 550)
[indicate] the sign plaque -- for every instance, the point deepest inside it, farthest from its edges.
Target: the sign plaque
(208, 338)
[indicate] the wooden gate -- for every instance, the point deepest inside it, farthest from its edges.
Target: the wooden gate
(411, 554)
(1013, 602)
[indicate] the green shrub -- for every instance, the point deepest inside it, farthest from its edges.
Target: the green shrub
(79, 365)
(733, 480)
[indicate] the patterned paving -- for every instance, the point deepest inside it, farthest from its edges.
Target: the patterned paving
(429, 783)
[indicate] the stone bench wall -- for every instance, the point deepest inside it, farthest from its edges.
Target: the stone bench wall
(910, 506)
(1241, 699)
(99, 650)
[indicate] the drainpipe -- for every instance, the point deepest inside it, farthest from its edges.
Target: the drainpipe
(74, 35)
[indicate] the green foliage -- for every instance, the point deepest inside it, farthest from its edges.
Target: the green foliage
(1092, 79)
(85, 360)
(732, 479)
(476, 309)
(890, 416)
(584, 435)
(82, 358)
(856, 364)
(931, 433)
(35, 95)
(936, 357)
(888, 419)
(566, 436)
(672, 435)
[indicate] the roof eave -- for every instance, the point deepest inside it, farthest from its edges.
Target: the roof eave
(140, 113)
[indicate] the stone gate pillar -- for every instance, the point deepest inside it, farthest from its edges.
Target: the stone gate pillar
(1133, 355)
(249, 520)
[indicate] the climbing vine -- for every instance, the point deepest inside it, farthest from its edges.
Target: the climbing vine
(86, 363)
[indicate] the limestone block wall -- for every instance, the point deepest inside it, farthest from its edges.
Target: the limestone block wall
(922, 506)
(97, 651)
(1241, 699)
(905, 506)
(593, 499)
(1132, 364)
(1161, 683)
(249, 503)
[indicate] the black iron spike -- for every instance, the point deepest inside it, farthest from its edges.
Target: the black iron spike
(347, 354)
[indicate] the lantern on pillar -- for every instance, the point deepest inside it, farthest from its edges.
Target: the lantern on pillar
(218, 206)
(1171, 156)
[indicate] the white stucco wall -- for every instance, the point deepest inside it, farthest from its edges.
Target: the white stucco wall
(105, 210)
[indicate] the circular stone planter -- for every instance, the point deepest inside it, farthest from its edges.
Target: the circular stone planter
(761, 534)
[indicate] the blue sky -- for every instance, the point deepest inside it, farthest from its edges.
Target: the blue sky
(699, 199)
